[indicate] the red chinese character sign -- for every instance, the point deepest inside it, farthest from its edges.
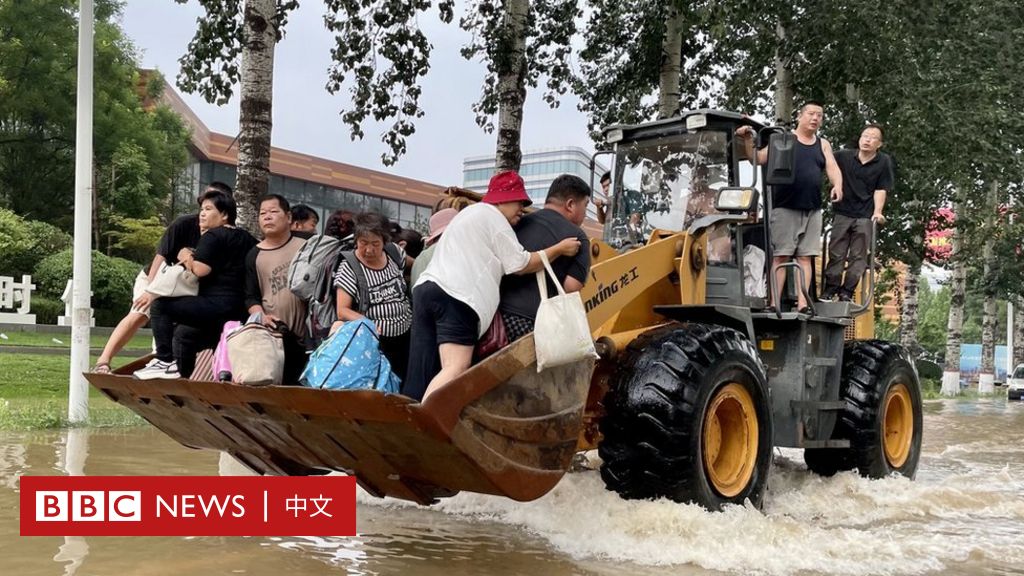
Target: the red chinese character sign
(938, 237)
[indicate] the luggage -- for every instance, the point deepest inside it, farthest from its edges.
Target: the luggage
(221, 362)
(351, 360)
(256, 354)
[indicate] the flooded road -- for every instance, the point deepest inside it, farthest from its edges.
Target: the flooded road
(963, 515)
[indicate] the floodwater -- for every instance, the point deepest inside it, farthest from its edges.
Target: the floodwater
(963, 515)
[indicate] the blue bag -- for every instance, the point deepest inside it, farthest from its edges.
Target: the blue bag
(351, 360)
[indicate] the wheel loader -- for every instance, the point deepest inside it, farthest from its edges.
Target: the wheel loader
(699, 374)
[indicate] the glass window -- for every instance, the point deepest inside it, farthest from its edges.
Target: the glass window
(390, 209)
(372, 204)
(206, 173)
(293, 189)
(406, 213)
(224, 173)
(276, 185)
(422, 224)
(353, 201)
(334, 197)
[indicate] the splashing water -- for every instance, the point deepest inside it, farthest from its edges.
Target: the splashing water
(967, 510)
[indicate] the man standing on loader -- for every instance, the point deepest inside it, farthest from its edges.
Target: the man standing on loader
(867, 179)
(796, 207)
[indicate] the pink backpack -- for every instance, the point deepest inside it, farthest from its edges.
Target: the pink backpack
(221, 363)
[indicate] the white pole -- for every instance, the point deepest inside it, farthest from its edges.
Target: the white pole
(1009, 314)
(78, 393)
(1009, 339)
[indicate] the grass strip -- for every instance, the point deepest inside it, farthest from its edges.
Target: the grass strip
(43, 340)
(34, 395)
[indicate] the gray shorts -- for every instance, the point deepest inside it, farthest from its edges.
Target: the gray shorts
(796, 232)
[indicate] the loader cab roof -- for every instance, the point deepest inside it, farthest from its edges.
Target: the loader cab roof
(715, 119)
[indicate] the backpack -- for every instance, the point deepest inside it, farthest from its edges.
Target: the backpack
(317, 257)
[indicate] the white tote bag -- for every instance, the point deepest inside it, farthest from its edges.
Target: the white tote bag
(561, 332)
(173, 281)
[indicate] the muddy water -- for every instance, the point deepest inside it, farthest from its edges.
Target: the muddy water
(963, 515)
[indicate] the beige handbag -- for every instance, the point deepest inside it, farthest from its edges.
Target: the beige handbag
(172, 281)
(256, 354)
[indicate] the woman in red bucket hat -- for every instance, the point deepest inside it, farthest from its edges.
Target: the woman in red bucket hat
(456, 297)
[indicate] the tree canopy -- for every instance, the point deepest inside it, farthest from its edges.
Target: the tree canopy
(139, 150)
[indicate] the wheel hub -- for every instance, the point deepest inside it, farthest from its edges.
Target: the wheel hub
(898, 425)
(730, 439)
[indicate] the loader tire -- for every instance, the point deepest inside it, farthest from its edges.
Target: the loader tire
(882, 418)
(687, 417)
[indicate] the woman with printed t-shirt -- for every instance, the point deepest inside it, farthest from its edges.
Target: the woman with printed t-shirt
(388, 306)
(456, 297)
(219, 262)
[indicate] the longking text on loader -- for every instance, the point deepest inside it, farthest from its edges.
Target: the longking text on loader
(698, 378)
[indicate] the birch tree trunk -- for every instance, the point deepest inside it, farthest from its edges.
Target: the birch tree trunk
(1018, 332)
(986, 379)
(908, 313)
(255, 119)
(669, 91)
(783, 82)
(954, 327)
(512, 87)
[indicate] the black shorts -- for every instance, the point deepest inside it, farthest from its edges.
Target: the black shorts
(455, 321)
(437, 319)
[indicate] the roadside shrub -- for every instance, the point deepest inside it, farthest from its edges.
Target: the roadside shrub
(46, 309)
(23, 242)
(931, 388)
(112, 280)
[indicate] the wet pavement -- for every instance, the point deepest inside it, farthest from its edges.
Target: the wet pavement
(964, 514)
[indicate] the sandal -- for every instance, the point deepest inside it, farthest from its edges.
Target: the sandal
(102, 368)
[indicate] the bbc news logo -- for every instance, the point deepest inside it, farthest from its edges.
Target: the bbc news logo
(88, 506)
(187, 506)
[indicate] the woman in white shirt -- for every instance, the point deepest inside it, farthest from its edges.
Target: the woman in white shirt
(456, 297)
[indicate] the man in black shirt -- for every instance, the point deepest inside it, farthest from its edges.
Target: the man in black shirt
(565, 208)
(867, 180)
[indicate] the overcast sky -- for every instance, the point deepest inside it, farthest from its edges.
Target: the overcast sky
(306, 117)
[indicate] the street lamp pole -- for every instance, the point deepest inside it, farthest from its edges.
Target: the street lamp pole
(81, 318)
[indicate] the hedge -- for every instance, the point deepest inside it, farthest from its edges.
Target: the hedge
(112, 280)
(24, 242)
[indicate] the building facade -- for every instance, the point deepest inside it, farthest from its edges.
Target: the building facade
(322, 184)
(538, 169)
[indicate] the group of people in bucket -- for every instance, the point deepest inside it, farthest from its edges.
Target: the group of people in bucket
(429, 309)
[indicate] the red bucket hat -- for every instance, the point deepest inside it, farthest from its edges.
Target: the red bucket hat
(507, 187)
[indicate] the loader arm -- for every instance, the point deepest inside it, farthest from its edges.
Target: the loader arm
(616, 282)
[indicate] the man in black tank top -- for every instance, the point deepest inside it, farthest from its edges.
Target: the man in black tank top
(796, 208)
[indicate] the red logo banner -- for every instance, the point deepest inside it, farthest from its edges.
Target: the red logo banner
(188, 506)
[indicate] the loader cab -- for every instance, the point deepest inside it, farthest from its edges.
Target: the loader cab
(667, 174)
(689, 173)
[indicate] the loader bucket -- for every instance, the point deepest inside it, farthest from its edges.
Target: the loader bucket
(501, 428)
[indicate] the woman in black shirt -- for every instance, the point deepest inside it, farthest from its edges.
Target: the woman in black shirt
(219, 262)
